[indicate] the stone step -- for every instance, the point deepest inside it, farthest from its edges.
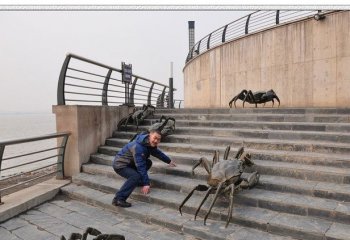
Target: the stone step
(337, 137)
(325, 159)
(270, 125)
(256, 117)
(171, 219)
(292, 170)
(333, 111)
(252, 143)
(328, 209)
(301, 227)
(188, 157)
(339, 192)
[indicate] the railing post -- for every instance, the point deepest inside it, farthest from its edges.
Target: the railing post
(61, 81)
(171, 94)
(150, 94)
(199, 44)
(2, 149)
(224, 34)
(132, 92)
(60, 158)
(247, 24)
(105, 88)
(277, 17)
(162, 97)
(208, 42)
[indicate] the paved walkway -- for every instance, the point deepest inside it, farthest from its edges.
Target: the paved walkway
(62, 216)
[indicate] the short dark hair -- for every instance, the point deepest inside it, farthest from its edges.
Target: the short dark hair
(155, 131)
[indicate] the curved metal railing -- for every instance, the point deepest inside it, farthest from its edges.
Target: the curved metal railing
(92, 83)
(252, 23)
(36, 164)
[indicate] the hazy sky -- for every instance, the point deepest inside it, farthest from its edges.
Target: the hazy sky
(33, 46)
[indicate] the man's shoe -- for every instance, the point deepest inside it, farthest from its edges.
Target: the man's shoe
(121, 203)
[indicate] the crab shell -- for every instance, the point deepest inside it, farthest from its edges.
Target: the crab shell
(226, 170)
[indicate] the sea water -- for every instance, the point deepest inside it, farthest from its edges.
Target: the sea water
(26, 125)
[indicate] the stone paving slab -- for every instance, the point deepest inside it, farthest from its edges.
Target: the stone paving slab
(62, 216)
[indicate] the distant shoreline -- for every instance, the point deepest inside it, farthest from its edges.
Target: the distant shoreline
(21, 113)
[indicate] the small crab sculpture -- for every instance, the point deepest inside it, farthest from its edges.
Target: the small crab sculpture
(94, 232)
(166, 126)
(224, 176)
(136, 117)
(255, 98)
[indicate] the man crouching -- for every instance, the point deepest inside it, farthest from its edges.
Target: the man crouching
(132, 162)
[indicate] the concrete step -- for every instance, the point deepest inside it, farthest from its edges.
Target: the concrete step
(292, 170)
(334, 191)
(328, 209)
(314, 158)
(252, 143)
(270, 125)
(171, 219)
(256, 117)
(338, 137)
(301, 227)
(247, 110)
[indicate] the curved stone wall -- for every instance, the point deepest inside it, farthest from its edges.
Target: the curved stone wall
(307, 63)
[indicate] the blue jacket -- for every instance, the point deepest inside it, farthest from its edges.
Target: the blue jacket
(135, 154)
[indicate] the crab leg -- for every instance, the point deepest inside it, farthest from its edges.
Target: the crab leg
(239, 152)
(229, 214)
(278, 100)
(205, 162)
(212, 203)
(198, 188)
(227, 151)
(205, 198)
(215, 158)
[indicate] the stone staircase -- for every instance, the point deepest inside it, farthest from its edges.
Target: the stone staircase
(303, 156)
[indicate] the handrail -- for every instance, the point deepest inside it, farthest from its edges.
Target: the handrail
(81, 80)
(59, 165)
(251, 23)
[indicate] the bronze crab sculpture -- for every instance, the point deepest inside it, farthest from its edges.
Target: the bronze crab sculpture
(137, 116)
(224, 176)
(256, 97)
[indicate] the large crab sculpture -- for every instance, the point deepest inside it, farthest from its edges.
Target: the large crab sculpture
(225, 176)
(256, 97)
(137, 117)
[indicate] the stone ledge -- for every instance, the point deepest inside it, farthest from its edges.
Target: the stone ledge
(23, 200)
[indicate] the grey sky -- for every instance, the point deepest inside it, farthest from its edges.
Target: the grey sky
(33, 45)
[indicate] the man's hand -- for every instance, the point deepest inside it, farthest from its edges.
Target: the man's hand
(172, 164)
(146, 189)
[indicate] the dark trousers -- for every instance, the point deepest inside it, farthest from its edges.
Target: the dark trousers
(133, 180)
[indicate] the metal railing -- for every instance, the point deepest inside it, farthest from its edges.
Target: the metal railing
(21, 167)
(92, 83)
(252, 23)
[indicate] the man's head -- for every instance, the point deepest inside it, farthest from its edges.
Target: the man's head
(154, 138)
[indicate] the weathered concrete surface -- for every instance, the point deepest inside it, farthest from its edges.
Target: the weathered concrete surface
(305, 62)
(89, 127)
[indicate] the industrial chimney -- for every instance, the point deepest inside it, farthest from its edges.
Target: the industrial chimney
(190, 34)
